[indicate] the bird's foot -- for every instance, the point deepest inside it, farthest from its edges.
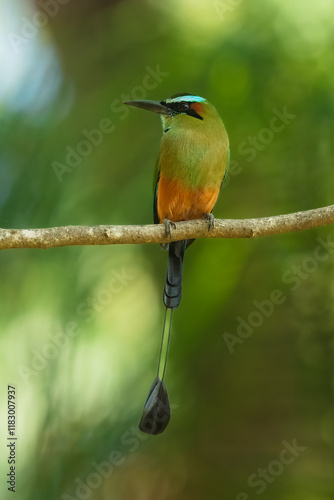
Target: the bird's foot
(168, 225)
(210, 218)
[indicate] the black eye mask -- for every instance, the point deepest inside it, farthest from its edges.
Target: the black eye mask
(181, 107)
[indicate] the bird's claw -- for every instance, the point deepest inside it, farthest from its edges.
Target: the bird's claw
(168, 225)
(210, 218)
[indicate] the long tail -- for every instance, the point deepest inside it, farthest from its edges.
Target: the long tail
(156, 413)
(173, 286)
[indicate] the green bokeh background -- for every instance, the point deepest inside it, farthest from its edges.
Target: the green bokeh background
(80, 403)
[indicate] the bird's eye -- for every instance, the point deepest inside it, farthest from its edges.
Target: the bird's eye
(184, 106)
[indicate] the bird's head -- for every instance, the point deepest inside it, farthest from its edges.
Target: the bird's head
(182, 111)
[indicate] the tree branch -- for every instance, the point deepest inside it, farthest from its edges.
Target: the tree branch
(112, 235)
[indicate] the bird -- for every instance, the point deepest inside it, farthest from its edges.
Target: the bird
(190, 169)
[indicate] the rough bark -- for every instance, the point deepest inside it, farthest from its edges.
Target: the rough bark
(113, 235)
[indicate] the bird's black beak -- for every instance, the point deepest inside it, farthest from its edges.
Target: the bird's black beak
(155, 106)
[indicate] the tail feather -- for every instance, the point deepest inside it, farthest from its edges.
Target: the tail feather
(173, 286)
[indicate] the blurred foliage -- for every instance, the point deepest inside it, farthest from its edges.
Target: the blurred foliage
(81, 402)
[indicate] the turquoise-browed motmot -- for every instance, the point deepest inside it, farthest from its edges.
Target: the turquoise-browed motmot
(192, 162)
